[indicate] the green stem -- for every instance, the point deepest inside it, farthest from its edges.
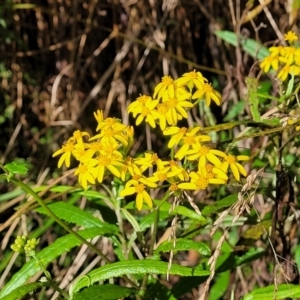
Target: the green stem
(28, 190)
(48, 276)
(154, 233)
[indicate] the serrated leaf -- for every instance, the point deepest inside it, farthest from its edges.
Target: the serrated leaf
(16, 167)
(183, 245)
(105, 292)
(77, 216)
(281, 291)
(24, 290)
(223, 203)
(133, 267)
(47, 255)
(253, 48)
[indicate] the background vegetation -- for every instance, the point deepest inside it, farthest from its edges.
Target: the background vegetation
(62, 60)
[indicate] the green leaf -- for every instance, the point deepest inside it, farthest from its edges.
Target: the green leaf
(77, 216)
(220, 286)
(252, 86)
(11, 195)
(47, 255)
(179, 210)
(183, 245)
(24, 290)
(269, 293)
(224, 203)
(227, 261)
(131, 219)
(105, 292)
(16, 167)
(133, 267)
(235, 111)
(290, 85)
(253, 48)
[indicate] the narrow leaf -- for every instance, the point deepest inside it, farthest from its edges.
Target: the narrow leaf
(77, 216)
(223, 203)
(133, 267)
(24, 290)
(105, 292)
(253, 48)
(183, 245)
(271, 292)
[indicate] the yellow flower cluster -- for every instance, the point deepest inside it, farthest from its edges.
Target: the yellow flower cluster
(194, 164)
(285, 60)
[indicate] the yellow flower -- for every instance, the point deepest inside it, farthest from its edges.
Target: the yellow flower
(99, 116)
(84, 175)
(204, 154)
(149, 160)
(138, 105)
(177, 134)
(111, 134)
(129, 167)
(162, 110)
(189, 140)
(199, 182)
(147, 112)
(178, 171)
(289, 54)
(231, 161)
(207, 92)
(189, 79)
(165, 84)
(286, 70)
(100, 164)
(66, 151)
(290, 36)
(277, 50)
(268, 62)
(138, 186)
(210, 171)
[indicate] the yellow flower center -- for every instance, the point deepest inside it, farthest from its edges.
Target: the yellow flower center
(145, 111)
(173, 187)
(139, 188)
(162, 177)
(162, 108)
(209, 167)
(167, 80)
(82, 169)
(207, 88)
(231, 159)
(202, 183)
(183, 130)
(110, 121)
(154, 157)
(136, 177)
(68, 147)
(142, 99)
(203, 150)
(104, 161)
(190, 140)
(96, 146)
(173, 163)
(173, 102)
